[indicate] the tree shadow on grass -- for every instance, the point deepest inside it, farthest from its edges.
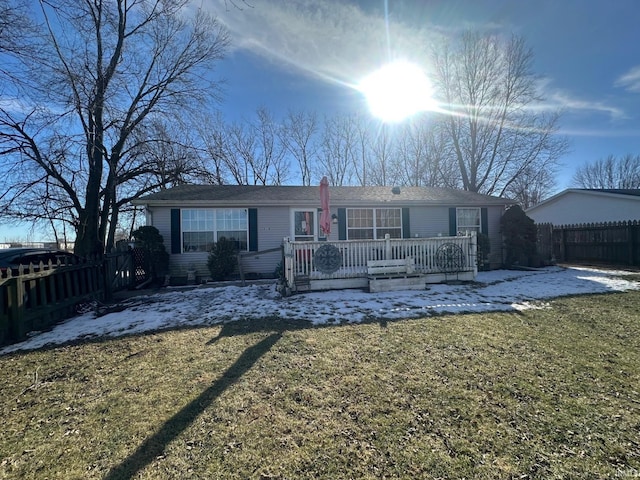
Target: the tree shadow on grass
(156, 444)
(250, 326)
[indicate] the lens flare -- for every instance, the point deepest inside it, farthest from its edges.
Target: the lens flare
(397, 91)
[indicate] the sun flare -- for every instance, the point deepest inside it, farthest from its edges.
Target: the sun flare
(397, 90)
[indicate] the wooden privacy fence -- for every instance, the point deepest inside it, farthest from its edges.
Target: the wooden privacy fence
(38, 296)
(615, 243)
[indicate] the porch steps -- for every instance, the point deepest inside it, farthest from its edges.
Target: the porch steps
(302, 283)
(395, 274)
(390, 284)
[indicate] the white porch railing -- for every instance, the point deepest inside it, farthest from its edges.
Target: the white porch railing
(441, 258)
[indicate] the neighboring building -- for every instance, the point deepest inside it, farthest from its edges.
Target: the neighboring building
(30, 245)
(192, 217)
(577, 206)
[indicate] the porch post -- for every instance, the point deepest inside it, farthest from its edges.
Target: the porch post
(287, 264)
(387, 246)
(474, 253)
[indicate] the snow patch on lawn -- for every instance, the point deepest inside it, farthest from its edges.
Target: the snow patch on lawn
(499, 290)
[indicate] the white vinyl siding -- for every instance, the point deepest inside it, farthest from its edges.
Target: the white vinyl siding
(575, 207)
(274, 223)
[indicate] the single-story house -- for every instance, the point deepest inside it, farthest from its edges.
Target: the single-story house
(583, 205)
(192, 217)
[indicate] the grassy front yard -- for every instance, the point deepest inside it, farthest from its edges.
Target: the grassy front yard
(549, 393)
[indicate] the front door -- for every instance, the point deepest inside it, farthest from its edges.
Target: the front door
(304, 223)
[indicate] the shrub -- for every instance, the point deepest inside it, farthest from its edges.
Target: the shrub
(484, 248)
(519, 233)
(222, 259)
(156, 258)
(279, 271)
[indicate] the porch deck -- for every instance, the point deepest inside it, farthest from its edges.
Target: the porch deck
(437, 259)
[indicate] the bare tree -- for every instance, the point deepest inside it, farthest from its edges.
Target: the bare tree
(488, 87)
(362, 150)
(298, 134)
(241, 162)
(209, 137)
(103, 69)
(256, 154)
(16, 33)
(532, 186)
(411, 154)
(442, 168)
(423, 156)
(611, 172)
(382, 148)
(337, 149)
(271, 148)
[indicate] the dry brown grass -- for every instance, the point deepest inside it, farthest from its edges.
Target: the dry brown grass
(547, 393)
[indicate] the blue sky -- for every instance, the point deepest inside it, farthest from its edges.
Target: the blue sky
(308, 54)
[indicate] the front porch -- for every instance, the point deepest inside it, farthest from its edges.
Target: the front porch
(328, 265)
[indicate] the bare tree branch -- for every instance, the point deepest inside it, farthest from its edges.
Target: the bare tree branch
(611, 172)
(488, 87)
(106, 70)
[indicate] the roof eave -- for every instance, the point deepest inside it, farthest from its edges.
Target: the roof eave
(315, 203)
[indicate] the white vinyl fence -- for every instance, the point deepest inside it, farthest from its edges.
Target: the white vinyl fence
(343, 264)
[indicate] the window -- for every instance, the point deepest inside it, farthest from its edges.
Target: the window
(197, 230)
(231, 223)
(360, 224)
(373, 223)
(388, 220)
(201, 228)
(304, 225)
(468, 220)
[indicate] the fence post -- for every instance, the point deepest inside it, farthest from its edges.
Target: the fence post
(108, 276)
(632, 232)
(5, 313)
(16, 308)
(240, 271)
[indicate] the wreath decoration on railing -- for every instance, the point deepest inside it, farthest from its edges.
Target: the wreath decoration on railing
(327, 259)
(450, 258)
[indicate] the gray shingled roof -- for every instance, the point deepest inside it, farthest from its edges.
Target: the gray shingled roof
(250, 195)
(620, 191)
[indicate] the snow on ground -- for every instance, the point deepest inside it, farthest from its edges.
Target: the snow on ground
(499, 290)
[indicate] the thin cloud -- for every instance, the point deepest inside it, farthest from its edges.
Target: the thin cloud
(630, 81)
(340, 42)
(567, 102)
(329, 39)
(556, 99)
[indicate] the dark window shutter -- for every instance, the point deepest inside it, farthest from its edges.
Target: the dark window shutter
(342, 224)
(253, 229)
(484, 221)
(175, 231)
(406, 227)
(453, 228)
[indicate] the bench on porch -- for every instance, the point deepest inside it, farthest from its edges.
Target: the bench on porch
(396, 274)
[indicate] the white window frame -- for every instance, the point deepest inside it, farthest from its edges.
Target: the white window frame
(375, 227)
(211, 225)
(463, 229)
